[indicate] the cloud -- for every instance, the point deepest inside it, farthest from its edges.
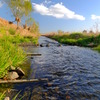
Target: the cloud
(1, 4)
(57, 10)
(47, 2)
(94, 17)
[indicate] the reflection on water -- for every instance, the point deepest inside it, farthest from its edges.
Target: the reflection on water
(73, 73)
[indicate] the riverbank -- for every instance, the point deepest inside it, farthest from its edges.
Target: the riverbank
(11, 52)
(10, 39)
(79, 39)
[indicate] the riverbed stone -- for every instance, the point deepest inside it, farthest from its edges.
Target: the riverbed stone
(50, 84)
(41, 45)
(20, 72)
(12, 75)
(59, 45)
(47, 45)
(12, 68)
(91, 44)
(7, 98)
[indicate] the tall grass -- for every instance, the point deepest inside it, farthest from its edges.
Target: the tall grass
(2, 95)
(97, 48)
(10, 54)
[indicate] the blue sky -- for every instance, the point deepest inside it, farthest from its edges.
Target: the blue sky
(66, 15)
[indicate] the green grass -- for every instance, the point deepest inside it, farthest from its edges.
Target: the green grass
(2, 30)
(2, 95)
(97, 48)
(10, 53)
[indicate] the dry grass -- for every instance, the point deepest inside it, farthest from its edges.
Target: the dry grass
(21, 30)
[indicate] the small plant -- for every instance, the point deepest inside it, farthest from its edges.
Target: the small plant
(12, 31)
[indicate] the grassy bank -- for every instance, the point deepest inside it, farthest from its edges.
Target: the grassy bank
(10, 39)
(10, 52)
(78, 39)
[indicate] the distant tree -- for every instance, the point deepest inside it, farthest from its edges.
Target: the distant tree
(19, 8)
(29, 21)
(84, 31)
(60, 32)
(96, 26)
(91, 31)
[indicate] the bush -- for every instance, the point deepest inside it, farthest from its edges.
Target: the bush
(12, 31)
(68, 41)
(76, 35)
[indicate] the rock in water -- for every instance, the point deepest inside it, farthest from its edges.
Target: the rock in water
(7, 98)
(47, 45)
(12, 75)
(20, 72)
(41, 45)
(59, 45)
(90, 44)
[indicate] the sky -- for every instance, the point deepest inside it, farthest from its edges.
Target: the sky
(65, 15)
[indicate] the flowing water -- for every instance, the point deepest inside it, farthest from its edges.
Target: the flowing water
(73, 73)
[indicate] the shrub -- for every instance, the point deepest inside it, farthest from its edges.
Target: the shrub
(76, 35)
(12, 31)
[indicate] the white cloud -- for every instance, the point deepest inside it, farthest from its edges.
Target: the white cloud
(47, 1)
(58, 10)
(94, 17)
(1, 4)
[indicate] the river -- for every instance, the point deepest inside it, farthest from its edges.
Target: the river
(73, 73)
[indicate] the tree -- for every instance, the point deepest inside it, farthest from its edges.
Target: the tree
(60, 32)
(84, 31)
(19, 8)
(96, 26)
(34, 27)
(91, 31)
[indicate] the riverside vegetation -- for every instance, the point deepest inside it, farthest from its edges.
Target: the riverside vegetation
(79, 39)
(13, 36)
(11, 53)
